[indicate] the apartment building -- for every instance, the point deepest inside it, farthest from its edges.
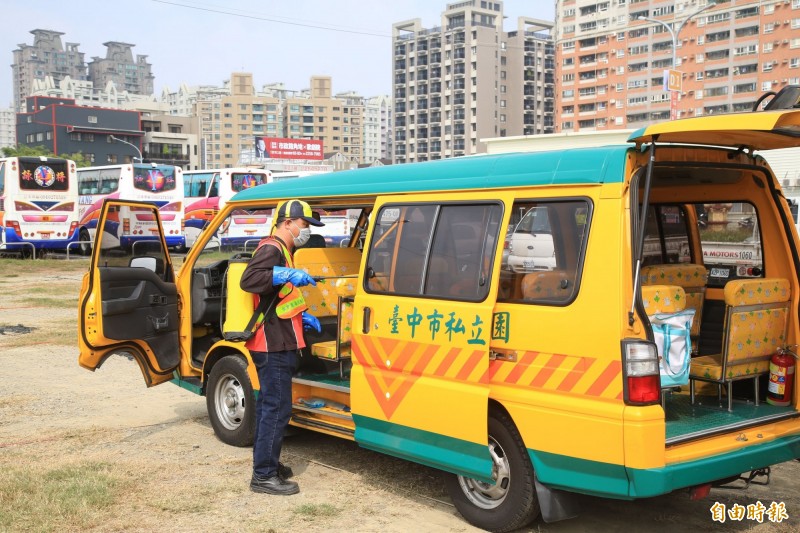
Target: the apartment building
(467, 79)
(611, 57)
(377, 129)
(62, 127)
(8, 127)
(335, 120)
(232, 116)
(229, 119)
(120, 67)
(46, 57)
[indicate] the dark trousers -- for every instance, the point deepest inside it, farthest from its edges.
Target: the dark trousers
(273, 408)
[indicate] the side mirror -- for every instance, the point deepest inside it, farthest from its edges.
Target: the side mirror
(145, 261)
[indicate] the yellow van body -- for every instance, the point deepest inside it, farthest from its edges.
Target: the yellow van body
(433, 347)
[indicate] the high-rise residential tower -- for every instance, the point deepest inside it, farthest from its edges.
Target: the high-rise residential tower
(612, 54)
(467, 80)
(46, 57)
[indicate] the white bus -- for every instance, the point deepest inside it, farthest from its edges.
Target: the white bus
(207, 191)
(161, 185)
(38, 203)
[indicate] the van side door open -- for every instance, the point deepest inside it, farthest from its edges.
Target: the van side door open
(130, 302)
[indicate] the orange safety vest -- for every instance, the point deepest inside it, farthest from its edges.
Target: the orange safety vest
(290, 304)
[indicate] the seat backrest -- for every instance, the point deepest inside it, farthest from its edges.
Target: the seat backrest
(690, 276)
(314, 241)
(547, 284)
(339, 267)
(663, 299)
(756, 318)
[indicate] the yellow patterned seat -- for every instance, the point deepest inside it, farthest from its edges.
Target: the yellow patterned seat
(663, 299)
(691, 277)
(332, 296)
(547, 284)
(756, 318)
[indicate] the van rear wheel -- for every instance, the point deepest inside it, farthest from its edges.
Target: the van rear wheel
(230, 401)
(509, 503)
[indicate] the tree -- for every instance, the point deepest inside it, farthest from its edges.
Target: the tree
(26, 151)
(36, 151)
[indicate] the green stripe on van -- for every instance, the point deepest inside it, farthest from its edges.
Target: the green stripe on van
(562, 167)
(431, 449)
(615, 481)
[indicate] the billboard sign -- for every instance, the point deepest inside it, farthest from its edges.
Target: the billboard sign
(278, 148)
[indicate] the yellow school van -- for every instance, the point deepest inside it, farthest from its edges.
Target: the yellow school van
(616, 342)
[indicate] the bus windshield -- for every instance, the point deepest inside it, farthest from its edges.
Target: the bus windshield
(240, 182)
(160, 178)
(38, 176)
(197, 184)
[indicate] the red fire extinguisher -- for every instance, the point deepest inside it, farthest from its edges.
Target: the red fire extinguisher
(781, 377)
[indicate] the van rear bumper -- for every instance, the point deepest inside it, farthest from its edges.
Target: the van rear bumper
(617, 481)
(652, 482)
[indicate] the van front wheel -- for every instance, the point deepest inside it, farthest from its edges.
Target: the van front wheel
(510, 502)
(230, 401)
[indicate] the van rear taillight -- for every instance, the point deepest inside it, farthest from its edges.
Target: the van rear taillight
(640, 366)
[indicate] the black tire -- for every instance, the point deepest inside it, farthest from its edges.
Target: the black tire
(511, 502)
(230, 402)
(85, 248)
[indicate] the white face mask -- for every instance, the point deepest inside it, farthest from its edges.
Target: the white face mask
(302, 237)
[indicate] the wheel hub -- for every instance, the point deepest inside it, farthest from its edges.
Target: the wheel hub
(230, 402)
(489, 495)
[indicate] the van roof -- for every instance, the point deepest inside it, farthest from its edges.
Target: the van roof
(583, 165)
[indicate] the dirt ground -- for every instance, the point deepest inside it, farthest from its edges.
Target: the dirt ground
(170, 473)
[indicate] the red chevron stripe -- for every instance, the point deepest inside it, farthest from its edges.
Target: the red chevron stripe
(572, 378)
(447, 362)
(422, 364)
(470, 365)
(613, 370)
(552, 364)
(521, 366)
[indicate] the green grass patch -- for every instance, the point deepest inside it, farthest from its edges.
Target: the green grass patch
(728, 235)
(77, 495)
(316, 510)
(51, 301)
(17, 267)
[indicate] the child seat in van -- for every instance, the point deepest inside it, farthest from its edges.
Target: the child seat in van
(756, 317)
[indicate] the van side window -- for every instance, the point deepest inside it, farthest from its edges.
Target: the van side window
(431, 250)
(666, 239)
(543, 251)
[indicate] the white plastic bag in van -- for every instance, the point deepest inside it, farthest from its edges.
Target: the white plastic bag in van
(671, 332)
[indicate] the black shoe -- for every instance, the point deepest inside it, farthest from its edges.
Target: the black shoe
(285, 472)
(273, 485)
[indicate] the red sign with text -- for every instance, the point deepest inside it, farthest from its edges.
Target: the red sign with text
(277, 148)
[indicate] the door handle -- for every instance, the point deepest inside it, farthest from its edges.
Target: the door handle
(367, 320)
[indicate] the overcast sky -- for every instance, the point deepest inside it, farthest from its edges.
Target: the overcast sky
(202, 42)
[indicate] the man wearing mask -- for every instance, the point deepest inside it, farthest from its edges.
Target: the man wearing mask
(271, 274)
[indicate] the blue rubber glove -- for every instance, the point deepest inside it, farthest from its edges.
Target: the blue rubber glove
(296, 277)
(311, 322)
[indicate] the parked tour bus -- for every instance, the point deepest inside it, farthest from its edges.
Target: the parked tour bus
(207, 191)
(161, 185)
(432, 351)
(38, 203)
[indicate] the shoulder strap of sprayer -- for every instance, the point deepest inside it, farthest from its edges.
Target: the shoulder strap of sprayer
(265, 305)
